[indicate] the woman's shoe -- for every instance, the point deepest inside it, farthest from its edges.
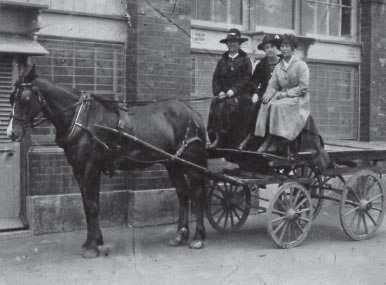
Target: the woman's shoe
(215, 143)
(266, 144)
(244, 143)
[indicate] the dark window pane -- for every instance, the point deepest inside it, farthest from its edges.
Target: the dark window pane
(219, 11)
(334, 20)
(322, 19)
(236, 12)
(346, 22)
(308, 16)
(202, 9)
(277, 13)
(346, 2)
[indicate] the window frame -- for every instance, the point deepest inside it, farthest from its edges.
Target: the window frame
(354, 23)
(226, 25)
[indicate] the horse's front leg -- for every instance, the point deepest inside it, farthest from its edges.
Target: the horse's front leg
(177, 178)
(89, 184)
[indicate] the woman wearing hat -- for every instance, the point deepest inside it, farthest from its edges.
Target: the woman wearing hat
(230, 85)
(285, 104)
(260, 78)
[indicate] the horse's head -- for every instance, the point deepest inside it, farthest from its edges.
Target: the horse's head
(26, 103)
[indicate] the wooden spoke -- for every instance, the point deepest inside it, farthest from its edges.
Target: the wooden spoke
(279, 227)
(371, 218)
(359, 223)
(282, 204)
(277, 212)
(364, 223)
(353, 219)
(375, 198)
(237, 215)
(218, 197)
(226, 219)
(232, 221)
(301, 203)
(376, 209)
(296, 198)
(218, 211)
(278, 219)
(304, 219)
(304, 210)
(221, 216)
(351, 211)
(299, 227)
(283, 232)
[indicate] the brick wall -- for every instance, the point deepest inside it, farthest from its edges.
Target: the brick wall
(373, 69)
(158, 52)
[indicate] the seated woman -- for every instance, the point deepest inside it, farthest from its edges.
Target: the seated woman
(260, 78)
(285, 104)
(230, 86)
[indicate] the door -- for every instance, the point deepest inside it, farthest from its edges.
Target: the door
(9, 153)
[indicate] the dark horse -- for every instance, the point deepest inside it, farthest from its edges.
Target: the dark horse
(170, 125)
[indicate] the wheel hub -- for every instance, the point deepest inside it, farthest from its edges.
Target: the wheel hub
(364, 205)
(292, 214)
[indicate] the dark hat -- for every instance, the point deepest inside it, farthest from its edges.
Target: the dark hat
(270, 39)
(289, 39)
(233, 34)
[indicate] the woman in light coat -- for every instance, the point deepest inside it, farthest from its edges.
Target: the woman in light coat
(285, 104)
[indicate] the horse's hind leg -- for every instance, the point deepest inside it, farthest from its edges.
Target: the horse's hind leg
(177, 178)
(198, 196)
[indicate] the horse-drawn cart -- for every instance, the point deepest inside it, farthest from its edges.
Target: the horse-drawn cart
(354, 181)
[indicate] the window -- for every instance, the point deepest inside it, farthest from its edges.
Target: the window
(328, 17)
(221, 11)
(87, 65)
(275, 13)
(334, 99)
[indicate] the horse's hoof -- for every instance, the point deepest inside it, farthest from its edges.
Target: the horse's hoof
(90, 253)
(104, 249)
(176, 242)
(197, 244)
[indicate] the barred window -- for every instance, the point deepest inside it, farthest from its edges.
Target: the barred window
(334, 99)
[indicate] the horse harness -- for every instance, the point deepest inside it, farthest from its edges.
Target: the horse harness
(78, 124)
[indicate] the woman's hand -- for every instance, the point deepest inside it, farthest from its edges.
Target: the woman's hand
(255, 98)
(281, 95)
(230, 93)
(221, 95)
(266, 98)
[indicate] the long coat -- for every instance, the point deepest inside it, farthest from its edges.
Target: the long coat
(232, 74)
(287, 117)
(226, 116)
(261, 76)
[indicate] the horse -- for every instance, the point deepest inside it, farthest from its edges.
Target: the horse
(169, 125)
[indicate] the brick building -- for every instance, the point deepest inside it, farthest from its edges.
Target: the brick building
(149, 49)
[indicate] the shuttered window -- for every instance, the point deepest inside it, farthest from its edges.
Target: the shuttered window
(5, 90)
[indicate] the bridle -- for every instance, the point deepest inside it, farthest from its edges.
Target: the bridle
(33, 122)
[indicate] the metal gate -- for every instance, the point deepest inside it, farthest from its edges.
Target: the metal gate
(9, 153)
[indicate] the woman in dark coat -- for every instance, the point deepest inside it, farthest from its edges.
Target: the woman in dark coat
(260, 79)
(230, 85)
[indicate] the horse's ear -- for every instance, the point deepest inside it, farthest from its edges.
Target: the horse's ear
(29, 73)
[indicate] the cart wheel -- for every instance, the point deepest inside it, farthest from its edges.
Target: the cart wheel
(315, 188)
(228, 205)
(362, 205)
(289, 215)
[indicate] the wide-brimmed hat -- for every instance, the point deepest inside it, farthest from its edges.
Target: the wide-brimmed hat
(270, 39)
(233, 34)
(289, 39)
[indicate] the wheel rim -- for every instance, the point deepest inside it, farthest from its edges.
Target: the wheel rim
(290, 215)
(362, 205)
(228, 205)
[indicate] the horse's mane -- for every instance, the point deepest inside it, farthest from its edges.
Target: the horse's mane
(75, 93)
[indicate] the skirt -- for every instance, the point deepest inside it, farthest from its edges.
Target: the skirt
(284, 118)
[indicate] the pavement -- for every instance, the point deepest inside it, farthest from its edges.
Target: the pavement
(248, 256)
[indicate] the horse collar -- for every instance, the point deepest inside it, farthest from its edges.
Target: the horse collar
(76, 126)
